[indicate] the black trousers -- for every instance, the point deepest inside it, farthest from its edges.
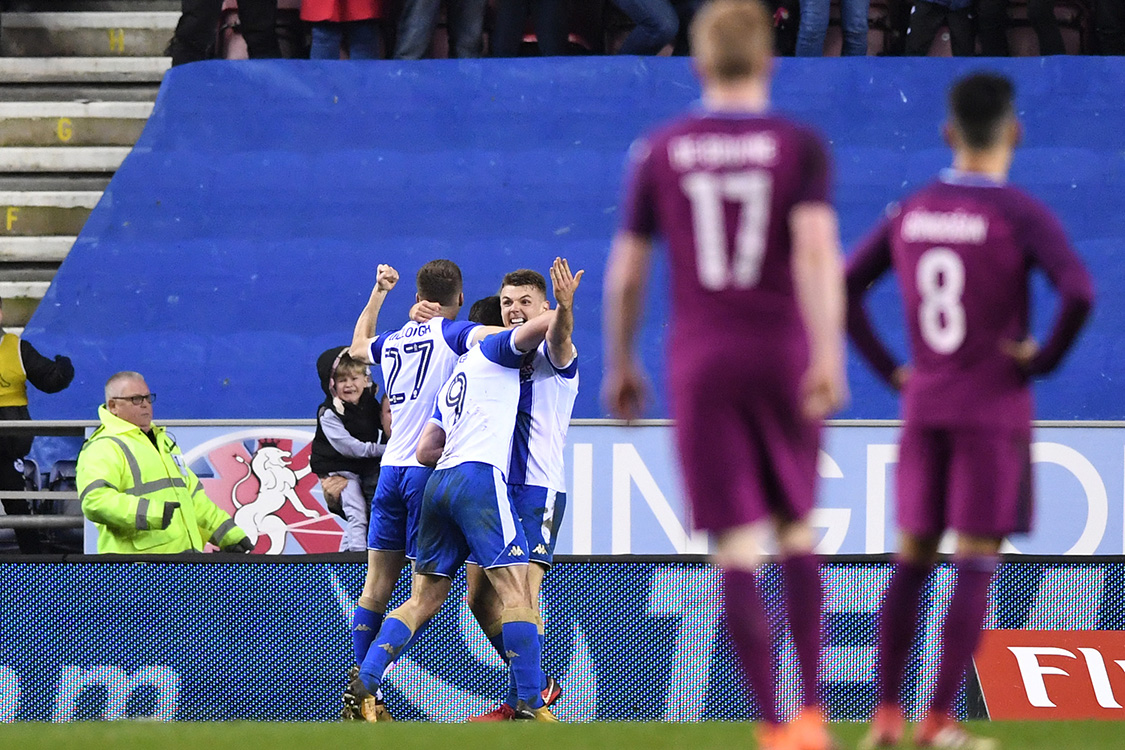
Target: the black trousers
(195, 33)
(1109, 24)
(992, 24)
(30, 541)
(925, 21)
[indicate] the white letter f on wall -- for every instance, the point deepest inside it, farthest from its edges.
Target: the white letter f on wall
(1032, 672)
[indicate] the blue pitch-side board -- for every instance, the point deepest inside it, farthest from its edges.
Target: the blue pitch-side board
(628, 641)
(241, 236)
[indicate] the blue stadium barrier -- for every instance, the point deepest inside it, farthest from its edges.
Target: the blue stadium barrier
(641, 641)
(240, 237)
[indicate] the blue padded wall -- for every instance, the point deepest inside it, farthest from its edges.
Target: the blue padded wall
(240, 237)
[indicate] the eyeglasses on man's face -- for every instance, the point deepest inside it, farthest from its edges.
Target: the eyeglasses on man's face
(136, 400)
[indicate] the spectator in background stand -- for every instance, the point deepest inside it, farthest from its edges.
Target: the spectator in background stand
(199, 24)
(926, 19)
(814, 27)
(1109, 24)
(657, 24)
(21, 364)
(992, 26)
(511, 21)
(347, 444)
(354, 22)
(418, 19)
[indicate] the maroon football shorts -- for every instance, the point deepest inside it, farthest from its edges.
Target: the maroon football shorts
(973, 480)
(746, 452)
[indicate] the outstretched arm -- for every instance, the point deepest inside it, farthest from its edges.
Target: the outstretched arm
(565, 284)
(819, 282)
(623, 385)
(532, 333)
(364, 332)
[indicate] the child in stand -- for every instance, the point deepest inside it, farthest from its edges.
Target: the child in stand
(349, 442)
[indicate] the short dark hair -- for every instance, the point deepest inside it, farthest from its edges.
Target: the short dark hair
(439, 281)
(525, 277)
(486, 311)
(979, 104)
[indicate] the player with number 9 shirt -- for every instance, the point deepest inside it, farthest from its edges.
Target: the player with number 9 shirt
(755, 351)
(962, 249)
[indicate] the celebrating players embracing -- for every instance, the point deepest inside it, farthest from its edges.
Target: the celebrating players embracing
(415, 360)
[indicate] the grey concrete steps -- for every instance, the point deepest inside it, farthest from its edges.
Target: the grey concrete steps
(79, 34)
(39, 214)
(77, 82)
(62, 159)
(90, 70)
(44, 249)
(72, 123)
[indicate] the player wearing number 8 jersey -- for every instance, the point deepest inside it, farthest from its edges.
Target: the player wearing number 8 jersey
(962, 249)
(755, 353)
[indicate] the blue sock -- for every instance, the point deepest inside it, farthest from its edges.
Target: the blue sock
(497, 641)
(521, 643)
(365, 626)
(414, 638)
(390, 642)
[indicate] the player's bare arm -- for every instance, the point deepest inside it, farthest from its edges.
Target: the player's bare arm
(430, 445)
(479, 333)
(623, 386)
(364, 333)
(819, 281)
(564, 285)
(532, 333)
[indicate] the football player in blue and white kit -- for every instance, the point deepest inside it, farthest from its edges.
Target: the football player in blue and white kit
(466, 511)
(536, 485)
(415, 361)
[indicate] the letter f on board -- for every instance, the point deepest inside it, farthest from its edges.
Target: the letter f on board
(1032, 672)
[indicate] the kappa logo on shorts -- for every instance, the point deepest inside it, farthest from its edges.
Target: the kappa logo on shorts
(515, 551)
(540, 549)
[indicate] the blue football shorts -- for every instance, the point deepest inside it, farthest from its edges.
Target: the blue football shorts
(394, 509)
(540, 512)
(466, 511)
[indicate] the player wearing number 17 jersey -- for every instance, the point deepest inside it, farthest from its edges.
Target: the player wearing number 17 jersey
(755, 352)
(962, 249)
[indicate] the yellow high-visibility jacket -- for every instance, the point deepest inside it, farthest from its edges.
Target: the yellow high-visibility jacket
(124, 482)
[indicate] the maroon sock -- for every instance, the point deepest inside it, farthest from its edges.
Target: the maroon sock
(896, 628)
(750, 630)
(961, 633)
(804, 598)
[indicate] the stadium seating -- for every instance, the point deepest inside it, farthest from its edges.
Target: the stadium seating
(76, 86)
(254, 246)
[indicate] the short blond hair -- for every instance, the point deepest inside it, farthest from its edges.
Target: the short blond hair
(732, 40)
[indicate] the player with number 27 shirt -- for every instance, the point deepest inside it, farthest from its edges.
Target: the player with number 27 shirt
(962, 249)
(755, 353)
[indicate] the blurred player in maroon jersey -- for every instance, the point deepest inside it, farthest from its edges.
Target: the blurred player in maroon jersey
(755, 354)
(962, 249)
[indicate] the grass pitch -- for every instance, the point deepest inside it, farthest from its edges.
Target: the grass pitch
(135, 735)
